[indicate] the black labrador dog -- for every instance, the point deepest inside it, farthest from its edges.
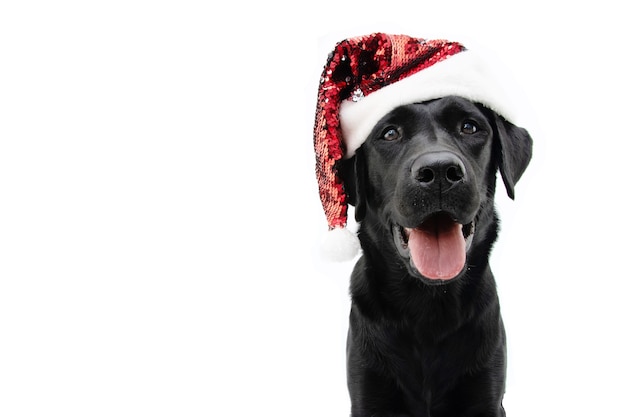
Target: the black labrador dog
(426, 336)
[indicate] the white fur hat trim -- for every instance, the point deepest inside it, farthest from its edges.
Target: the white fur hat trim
(464, 74)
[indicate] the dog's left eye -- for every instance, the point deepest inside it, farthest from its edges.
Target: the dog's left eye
(469, 128)
(391, 134)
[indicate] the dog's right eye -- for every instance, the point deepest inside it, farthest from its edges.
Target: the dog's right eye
(469, 127)
(391, 134)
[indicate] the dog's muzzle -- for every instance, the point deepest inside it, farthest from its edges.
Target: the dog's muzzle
(437, 228)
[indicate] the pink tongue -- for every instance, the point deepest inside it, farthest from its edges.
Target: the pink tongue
(438, 249)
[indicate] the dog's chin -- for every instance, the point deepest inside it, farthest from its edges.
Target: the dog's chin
(435, 251)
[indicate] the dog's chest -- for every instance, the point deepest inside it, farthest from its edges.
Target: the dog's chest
(431, 365)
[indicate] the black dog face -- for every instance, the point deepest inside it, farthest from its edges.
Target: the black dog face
(423, 185)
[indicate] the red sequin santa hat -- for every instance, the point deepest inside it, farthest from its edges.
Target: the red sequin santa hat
(365, 78)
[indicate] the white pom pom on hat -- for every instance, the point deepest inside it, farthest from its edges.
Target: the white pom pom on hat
(340, 245)
(365, 78)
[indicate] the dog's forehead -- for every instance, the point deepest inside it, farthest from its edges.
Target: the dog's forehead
(449, 105)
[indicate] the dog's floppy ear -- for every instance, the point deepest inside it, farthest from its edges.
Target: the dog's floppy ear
(352, 172)
(514, 149)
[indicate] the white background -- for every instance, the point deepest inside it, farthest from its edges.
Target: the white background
(159, 217)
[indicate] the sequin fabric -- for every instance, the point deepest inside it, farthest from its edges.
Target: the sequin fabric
(357, 67)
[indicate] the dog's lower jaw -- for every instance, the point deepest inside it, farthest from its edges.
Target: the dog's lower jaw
(435, 251)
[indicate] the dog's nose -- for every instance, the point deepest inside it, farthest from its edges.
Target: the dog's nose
(442, 169)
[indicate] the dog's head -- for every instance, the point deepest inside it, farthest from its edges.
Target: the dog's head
(423, 184)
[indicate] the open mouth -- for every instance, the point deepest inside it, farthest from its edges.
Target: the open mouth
(437, 248)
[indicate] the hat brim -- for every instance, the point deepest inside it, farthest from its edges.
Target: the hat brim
(464, 74)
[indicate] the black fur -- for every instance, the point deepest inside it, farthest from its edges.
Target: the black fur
(417, 346)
